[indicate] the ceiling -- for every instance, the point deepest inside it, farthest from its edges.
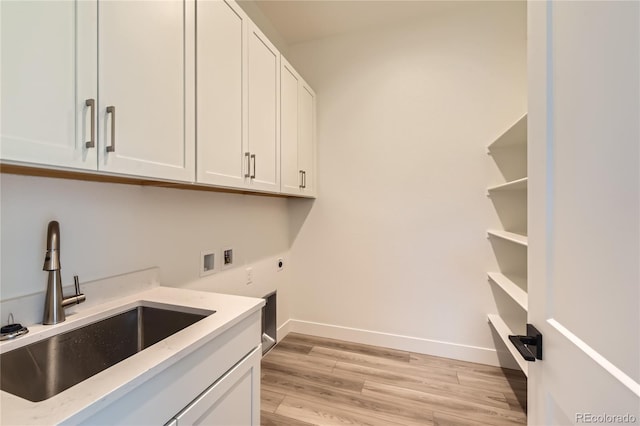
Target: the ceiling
(298, 21)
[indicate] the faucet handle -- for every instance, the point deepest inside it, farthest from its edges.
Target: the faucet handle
(77, 298)
(76, 282)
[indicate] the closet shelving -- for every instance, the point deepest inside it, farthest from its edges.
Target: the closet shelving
(515, 185)
(503, 330)
(509, 283)
(509, 236)
(513, 136)
(509, 286)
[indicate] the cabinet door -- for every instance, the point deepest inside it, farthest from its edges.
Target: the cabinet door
(307, 138)
(234, 400)
(264, 111)
(147, 88)
(221, 100)
(290, 174)
(48, 72)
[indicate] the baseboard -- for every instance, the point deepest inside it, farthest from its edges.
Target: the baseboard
(283, 330)
(477, 354)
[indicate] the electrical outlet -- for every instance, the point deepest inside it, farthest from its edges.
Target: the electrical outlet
(249, 275)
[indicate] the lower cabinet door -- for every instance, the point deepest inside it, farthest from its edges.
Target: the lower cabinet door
(232, 400)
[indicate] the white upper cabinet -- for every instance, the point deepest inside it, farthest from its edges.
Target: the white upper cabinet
(263, 151)
(52, 55)
(222, 93)
(291, 175)
(307, 139)
(110, 86)
(238, 80)
(297, 133)
(147, 88)
(48, 74)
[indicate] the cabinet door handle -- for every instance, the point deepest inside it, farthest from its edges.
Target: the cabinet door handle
(253, 157)
(304, 179)
(112, 110)
(301, 172)
(248, 155)
(91, 103)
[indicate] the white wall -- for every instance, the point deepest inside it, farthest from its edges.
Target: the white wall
(110, 229)
(396, 240)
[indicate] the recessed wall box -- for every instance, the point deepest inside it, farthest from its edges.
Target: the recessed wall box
(207, 263)
(227, 257)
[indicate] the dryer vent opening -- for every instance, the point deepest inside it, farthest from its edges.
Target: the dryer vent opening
(269, 322)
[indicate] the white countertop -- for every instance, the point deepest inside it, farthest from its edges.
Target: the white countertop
(97, 392)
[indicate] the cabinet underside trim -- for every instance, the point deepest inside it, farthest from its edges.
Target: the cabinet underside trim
(127, 180)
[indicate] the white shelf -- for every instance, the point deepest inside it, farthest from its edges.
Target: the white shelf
(504, 331)
(509, 236)
(514, 185)
(516, 135)
(511, 288)
(509, 152)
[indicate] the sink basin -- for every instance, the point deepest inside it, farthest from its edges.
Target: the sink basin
(43, 369)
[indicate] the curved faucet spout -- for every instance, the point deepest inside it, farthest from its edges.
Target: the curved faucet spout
(54, 302)
(52, 257)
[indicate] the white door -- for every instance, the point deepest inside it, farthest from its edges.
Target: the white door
(146, 83)
(264, 112)
(307, 138)
(584, 211)
(48, 74)
(221, 101)
(290, 174)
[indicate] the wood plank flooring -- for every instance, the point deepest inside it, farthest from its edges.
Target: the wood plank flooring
(308, 380)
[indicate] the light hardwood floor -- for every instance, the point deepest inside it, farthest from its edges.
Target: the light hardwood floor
(309, 380)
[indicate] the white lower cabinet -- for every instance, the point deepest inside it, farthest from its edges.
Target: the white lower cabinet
(229, 401)
(217, 384)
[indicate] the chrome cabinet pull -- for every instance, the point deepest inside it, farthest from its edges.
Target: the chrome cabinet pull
(301, 173)
(253, 157)
(112, 110)
(91, 103)
(248, 155)
(303, 185)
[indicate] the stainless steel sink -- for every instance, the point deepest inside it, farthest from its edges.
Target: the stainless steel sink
(43, 369)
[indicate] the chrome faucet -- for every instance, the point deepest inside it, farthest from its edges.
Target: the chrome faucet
(54, 303)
